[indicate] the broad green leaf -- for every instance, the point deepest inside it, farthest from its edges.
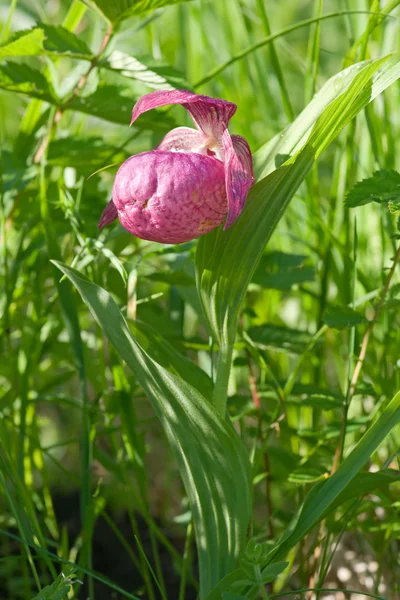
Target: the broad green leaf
(280, 338)
(155, 74)
(340, 317)
(15, 77)
(46, 40)
(322, 497)
(165, 355)
(226, 260)
(212, 459)
(383, 187)
(118, 10)
(109, 103)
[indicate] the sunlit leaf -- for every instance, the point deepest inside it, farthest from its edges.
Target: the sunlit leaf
(118, 10)
(212, 459)
(46, 40)
(383, 187)
(323, 496)
(60, 588)
(226, 260)
(16, 77)
(153, 73)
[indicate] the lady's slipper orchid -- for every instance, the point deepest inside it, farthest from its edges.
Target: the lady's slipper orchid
(190, 182)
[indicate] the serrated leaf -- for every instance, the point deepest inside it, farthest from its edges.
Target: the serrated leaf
(118, 10)
(60, 588)
(279, 270)
(155, 74)
(272, 571)
(212, 459)
(280, 338)
(285, 280)
(340, 317)
(46, 40)
(16, 77)
(383, 187)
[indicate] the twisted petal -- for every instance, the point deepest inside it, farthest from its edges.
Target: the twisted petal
(238, 174)
(211, 117)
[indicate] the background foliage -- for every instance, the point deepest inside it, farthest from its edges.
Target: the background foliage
(311, 321)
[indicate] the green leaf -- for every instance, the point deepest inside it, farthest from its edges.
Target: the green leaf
(166, 356)
(280, 338)
(383, 187)
(281, 271)
(118, 10)
(109, 103)
(15, 77)
(226, 260)
(46, 40)
(271, 572)
(84, 154)
(212, 459)
(322, 497)
(306, 475)
(60, 588)
(340, 317)
(322, 401)
(155, 74)
(366, 483)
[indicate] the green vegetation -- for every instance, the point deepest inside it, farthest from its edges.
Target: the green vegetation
(217, 419)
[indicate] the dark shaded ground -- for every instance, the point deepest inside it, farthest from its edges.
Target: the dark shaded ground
(110, 558)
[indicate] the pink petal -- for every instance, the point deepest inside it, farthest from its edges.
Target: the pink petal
(184, 139)
(210, 115)
(109, 215)
(239, 175)
(170, 197)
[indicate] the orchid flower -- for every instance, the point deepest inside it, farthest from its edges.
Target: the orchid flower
(193, 181)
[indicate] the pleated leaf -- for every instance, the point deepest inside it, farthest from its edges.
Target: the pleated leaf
(226, 260)
(212, 459)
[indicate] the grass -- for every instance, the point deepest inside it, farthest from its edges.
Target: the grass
(74, 422)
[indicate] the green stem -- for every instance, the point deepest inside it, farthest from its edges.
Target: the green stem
(186, 561)
(222, 379)
(287, 105)
(275, 36)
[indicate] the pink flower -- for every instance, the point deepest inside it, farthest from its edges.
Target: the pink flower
(189, 184)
